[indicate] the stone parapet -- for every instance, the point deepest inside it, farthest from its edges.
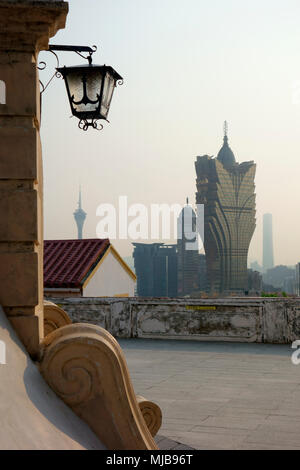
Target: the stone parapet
(258, 320)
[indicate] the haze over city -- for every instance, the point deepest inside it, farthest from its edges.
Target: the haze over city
(187, 67)
(150, 266)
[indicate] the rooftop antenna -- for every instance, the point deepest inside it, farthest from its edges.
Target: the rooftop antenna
(225, 128)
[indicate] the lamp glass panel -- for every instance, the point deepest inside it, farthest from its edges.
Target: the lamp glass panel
(77, 81)
(108, 89)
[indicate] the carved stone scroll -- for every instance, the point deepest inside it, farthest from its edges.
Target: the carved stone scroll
(86, 368)
(54, 317)
(151, 413)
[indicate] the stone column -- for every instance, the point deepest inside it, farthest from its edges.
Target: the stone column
(25, 29)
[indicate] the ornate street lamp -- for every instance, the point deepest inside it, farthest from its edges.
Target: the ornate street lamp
(90, 87)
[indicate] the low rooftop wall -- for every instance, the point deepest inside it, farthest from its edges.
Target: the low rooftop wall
(262, 320)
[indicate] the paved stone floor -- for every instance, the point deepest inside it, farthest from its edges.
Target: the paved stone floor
(164, 443)
(219, 395)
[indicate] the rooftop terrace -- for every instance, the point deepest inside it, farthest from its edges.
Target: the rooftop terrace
(220, 395)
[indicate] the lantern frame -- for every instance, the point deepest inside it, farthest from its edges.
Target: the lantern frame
(89, 117)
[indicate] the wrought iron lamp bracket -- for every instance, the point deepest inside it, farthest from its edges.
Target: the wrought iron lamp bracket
(77, 49)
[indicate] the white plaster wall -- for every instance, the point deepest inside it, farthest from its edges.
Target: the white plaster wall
(109, 280)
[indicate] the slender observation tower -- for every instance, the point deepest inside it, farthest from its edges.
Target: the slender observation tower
(79, 216)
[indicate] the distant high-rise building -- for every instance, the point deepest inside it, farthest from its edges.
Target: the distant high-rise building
(202, 273)
(280, 277)
(289, 285)
(79, 216)
(254, 282)
(187, 249)
(226, 188)
(268, 260)
(156, 269)
(255, 266)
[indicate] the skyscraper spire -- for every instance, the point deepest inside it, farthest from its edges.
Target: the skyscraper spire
(79, 216)
(226, 155)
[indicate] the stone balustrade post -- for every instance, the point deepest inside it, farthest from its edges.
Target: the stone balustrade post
(25, 29)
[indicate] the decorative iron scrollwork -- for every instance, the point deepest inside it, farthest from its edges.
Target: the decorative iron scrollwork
(78, 49)
(84, 124)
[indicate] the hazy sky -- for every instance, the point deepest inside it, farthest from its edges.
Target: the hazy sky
(187, 66)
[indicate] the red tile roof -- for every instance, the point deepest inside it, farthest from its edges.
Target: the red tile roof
(68, 262)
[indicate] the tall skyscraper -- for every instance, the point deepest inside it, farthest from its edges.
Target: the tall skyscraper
(79, 216)
(226, 188)
(187, 249)
(268, 260)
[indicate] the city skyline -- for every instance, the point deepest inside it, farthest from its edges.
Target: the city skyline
(147, 152)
